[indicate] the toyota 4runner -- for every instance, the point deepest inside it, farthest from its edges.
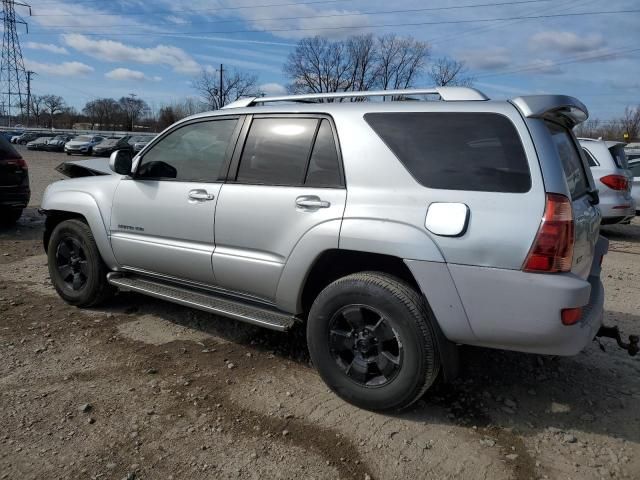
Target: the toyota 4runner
(393, 230)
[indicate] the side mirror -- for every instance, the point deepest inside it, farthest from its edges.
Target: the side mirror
(120, 162)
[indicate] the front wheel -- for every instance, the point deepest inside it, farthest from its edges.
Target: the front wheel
(371, 338)
(76, 269)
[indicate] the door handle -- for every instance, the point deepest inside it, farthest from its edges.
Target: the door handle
(200, 195)
(311, 202)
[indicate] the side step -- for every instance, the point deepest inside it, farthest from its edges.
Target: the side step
(207, 301)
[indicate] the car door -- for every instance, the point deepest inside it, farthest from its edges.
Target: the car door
(163, 215)
(285, 181)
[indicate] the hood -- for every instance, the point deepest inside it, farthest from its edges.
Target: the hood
(85, 168)
(76, 143)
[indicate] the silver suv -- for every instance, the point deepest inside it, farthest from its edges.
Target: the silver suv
(393, 231)
(610, 169)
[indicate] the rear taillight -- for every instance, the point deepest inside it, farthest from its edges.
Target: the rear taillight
(616, 182)
(552, 250)
(15, 162)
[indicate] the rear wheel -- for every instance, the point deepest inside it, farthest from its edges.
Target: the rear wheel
(76, 269)
(371, 338)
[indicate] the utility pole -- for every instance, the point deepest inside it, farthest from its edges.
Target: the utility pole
(13, 75)
(29, 73)
(221, 104)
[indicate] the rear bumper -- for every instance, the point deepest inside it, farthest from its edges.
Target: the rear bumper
(616, 208)
(515, 310)
(15, 196)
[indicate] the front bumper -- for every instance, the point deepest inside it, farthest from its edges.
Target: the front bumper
(85, 149)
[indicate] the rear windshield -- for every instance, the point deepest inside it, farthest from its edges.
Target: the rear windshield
(456, 151)
(619, 156)
(571, 162)
(6, 150)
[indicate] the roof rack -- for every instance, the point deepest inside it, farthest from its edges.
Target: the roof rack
(447, 94)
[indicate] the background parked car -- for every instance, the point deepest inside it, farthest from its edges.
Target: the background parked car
(38, 144)
(82, 144)
(141, 142)
(14, 183)
(10, 134)
(109, 145)
(28, 136)
(634, 166)
(56, 144)
(613, 178)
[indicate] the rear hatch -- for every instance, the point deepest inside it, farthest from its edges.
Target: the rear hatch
(13, 170)
(616, 149)
(586, 215)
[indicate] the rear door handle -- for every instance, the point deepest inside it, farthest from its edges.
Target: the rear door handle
(311, 202)
(200, 195)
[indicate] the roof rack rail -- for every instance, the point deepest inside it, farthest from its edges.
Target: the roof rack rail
(447, 94)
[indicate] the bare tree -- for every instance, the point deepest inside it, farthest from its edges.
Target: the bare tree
(447, 71)
(630, 122)
(132, 109)
(235, 84)
(401, 61)
(364, 69)
(37, 107)
(52, 104)
(318, 65)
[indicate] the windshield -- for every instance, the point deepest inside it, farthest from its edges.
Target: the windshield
(82, 138)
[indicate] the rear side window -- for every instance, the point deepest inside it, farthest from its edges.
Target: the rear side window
(456, 151)
(276, 151)
(619, 156)
(571, 162)
(635, 169)
(590, 159)
(324, 167)
(291, 152)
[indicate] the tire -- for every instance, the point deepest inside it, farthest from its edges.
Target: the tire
(10, 216)
(68, 153)
(404, 336)
(75, 266)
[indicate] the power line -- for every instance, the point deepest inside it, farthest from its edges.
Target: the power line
(196, 10)
(350, 27)
(357, 14)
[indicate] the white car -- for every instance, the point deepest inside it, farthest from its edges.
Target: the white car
(82, 144)
(634, 166)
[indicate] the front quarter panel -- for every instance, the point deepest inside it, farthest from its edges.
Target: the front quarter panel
(90, 197)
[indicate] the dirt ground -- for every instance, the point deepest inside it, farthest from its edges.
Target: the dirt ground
(145, 389)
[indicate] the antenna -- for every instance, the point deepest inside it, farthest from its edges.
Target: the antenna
(13, 75)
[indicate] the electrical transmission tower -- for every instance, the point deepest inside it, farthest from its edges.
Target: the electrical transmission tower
(13, 75)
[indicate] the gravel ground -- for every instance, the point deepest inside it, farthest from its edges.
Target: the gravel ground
(145, 389)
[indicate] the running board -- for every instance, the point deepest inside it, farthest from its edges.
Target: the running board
(209, 302)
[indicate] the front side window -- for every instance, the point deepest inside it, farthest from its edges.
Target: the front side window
(192, 153)
(571, 162)
(456, 151)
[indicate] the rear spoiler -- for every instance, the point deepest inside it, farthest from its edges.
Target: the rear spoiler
(561, 108)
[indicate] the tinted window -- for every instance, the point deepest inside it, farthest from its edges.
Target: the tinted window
(571, 161)
(635, 169)
(324, 168)
(193, 153)
(590, 159)
(276, 151)
(6, 150)
(456, 151)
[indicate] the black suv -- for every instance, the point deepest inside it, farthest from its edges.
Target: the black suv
(14, 183)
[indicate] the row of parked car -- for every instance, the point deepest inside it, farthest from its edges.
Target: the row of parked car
(78, 144)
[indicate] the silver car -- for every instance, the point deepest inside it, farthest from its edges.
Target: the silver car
(392, 231)
(610, 170)
(634, 166)
(82, 144)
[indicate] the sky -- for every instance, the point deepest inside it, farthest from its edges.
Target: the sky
(85, 49)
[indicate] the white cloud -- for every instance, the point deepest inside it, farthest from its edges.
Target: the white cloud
(127, 74)
(544, 66)
(565, 42)
(49, 47)
(112, 51)
(272, 89)
(489, 59)
(65, 69)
